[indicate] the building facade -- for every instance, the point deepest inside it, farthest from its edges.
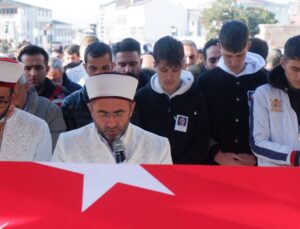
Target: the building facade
(23, 22)
(144, 20)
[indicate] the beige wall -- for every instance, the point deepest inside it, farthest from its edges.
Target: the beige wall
(277, 35)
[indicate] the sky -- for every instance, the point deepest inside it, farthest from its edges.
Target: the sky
(81, 13)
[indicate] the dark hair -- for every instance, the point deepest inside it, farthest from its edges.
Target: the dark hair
(126, 45)
(259, 47)
(169, 49)
(58, 50)
(292, 48)
(234, 36)
(208, 44)
(72, 49)
(32, 50)
(97, 49)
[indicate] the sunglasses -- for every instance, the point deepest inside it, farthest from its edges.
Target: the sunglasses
(213, 60)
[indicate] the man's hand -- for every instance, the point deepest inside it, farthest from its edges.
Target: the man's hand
(234, 159)
(247, 159)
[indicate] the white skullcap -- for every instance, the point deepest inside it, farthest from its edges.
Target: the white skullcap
(111, 85)
(10, 72)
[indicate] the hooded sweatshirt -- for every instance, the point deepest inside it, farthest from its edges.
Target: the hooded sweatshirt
(228, 97)
(181, 117)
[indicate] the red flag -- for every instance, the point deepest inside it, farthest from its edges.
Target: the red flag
(38, 196)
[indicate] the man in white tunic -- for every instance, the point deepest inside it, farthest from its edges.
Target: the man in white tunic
(111, 138)
(23, 137)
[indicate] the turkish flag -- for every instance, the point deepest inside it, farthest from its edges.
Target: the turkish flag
(38, 196)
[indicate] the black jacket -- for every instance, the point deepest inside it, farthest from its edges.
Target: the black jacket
(70, 85)
(75, 109)
(228, 99)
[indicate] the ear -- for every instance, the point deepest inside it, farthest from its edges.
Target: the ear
(113, 65)
(283, 62)
(132, 106)
(141, 61)
(89, 106)
(84, 65)
(47, 69)
(248, 45)
(26, 87)
(14, 96)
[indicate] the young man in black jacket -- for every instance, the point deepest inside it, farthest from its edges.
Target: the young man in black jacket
(228, 91)
(170, 106)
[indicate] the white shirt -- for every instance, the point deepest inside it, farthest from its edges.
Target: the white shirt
(25, 138)
(78, 74)
(86, 146)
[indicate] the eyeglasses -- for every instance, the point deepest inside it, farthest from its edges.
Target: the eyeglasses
(213, 60)
(3, 102)
(37, 67)
(116, 116)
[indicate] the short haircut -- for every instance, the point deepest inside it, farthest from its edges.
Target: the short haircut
(72, 49)
(97, 49)
(234, 36)
(208, 44)
(259, 47)
(189, 43)
(58, 50)
(32, 50)
(292, 48)
(126, 45)
(56, 63)
(169, 49)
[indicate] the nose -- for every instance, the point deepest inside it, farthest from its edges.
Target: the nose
(127, 69)
(32, 72)
(111, 122)
(188, 61)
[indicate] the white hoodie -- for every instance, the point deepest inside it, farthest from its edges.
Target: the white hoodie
(253, 61)
(186, 78)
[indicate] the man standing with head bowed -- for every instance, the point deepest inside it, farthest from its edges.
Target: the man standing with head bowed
(111, 105)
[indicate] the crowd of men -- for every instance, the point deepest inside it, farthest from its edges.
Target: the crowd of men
(99, 104)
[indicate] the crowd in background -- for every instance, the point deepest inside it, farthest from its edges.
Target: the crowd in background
(231, 102)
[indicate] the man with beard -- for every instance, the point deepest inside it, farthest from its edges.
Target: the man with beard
(23, 137)
(111, 138)
(127, 57)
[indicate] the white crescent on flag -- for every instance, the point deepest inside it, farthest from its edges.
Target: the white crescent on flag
(100, 178)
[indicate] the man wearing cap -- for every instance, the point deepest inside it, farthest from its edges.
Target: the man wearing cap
(111, 138)
(23, 137)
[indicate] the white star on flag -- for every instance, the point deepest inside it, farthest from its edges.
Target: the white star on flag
(100, 178)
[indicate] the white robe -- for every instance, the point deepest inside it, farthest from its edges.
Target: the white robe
(86, 146)
(25, 138)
